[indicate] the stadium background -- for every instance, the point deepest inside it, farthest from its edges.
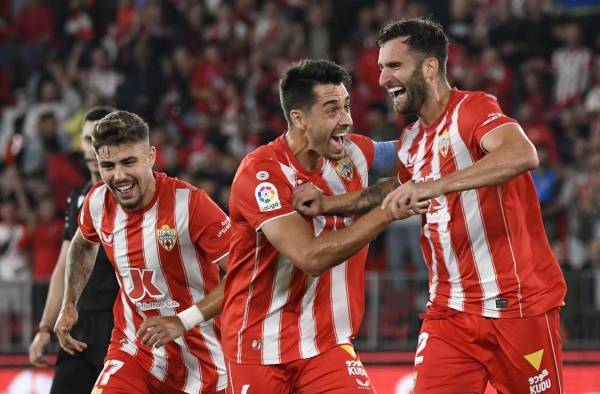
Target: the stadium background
(204, 75)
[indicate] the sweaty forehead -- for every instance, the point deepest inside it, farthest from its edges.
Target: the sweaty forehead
(330, 92)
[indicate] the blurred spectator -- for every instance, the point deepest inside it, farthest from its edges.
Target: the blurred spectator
(572, 65)
(43, 241)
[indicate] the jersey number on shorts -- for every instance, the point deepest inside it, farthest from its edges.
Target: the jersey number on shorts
(423, 337)
(110, 367)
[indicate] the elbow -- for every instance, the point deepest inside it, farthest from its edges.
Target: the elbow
(525, 159)
(309, 264)
(530, 160)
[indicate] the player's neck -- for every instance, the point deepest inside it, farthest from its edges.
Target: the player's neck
(436, 104)
(308, 158)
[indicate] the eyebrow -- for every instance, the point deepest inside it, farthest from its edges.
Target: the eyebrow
(129, 158)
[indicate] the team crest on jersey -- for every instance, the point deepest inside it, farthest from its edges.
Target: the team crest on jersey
(167, 237)
(444, 143)
(345, 168)
(267, 197)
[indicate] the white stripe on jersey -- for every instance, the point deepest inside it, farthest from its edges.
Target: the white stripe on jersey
(195, 279)
(457, 296)
(129, 345)
(189, 257)
(407, 138)
(340, 304)
(339, 292)
(289, 173)
(259, 236)
(97, 209)
(307, 321)
(474, 222)
(272, 322)
(152, 262)
(122, 263)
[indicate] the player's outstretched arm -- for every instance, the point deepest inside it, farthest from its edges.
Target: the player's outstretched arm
(51, 309)
(311, 202)
(294, 239)
(80, 262)
(159, 330)
(510, 153)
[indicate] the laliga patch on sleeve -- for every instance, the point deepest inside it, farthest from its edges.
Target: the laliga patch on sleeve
(267, 197)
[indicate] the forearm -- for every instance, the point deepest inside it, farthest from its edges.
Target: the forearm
(55, 290)
(210, 306)
(499, 166)
(330, 249)
(80, 262)
(359, 202)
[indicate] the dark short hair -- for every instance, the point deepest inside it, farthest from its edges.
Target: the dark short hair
(97, 113)
(297, 83)
(424, 35)
(119, 127)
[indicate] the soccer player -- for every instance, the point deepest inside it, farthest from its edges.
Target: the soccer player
(166, 240)
(77, 373)
(294, 294)
(495, 287)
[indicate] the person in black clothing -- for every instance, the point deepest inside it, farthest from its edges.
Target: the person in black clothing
(77, 373)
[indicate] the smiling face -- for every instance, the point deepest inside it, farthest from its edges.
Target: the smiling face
(401, 74)
(328, 121)
(127, 171)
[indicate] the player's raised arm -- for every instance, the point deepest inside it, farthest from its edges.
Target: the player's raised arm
(311, 202)
(509, 154)
(294, 239)
(79, 265)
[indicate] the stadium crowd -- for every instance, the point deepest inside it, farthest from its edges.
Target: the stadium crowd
(204, 75)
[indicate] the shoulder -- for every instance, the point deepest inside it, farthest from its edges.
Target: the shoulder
(264, 158)
(476, 99)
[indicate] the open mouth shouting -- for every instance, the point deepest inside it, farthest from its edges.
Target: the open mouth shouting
(336, 142)
(397, 92)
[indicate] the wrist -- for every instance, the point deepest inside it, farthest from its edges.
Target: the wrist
(45, 328)
(191, 317)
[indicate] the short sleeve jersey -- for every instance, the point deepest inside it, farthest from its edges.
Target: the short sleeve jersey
(164, 257)
(486, 249)
(274, 312)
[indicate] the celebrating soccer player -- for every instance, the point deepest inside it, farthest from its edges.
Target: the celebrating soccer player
(495, 287)
(294, 295)
(166, 240)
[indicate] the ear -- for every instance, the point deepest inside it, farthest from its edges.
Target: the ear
(297, 119)
(151, 156)
(430, 68)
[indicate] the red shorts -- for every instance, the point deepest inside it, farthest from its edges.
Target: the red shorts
(462, 352)
(122, 374)
(336, 371)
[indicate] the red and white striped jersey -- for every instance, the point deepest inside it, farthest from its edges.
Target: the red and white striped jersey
(163, 257)
(486, 249)
(273, 312)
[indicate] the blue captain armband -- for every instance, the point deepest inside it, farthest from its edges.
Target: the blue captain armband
(384, 158)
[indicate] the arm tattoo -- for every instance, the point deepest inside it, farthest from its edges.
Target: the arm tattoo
(80, 262)
(367, 199)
